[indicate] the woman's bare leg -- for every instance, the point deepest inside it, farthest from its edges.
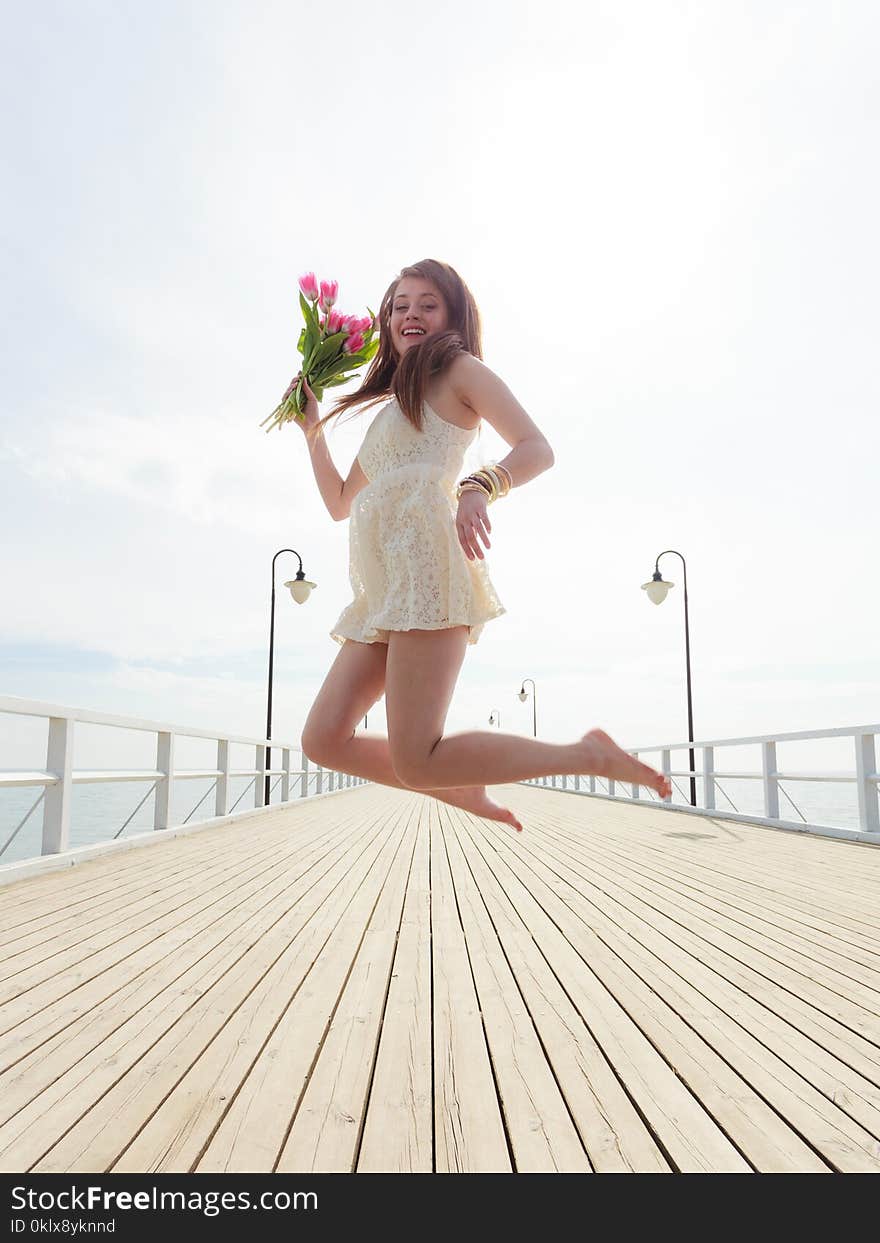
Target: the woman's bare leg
(369, 755)
(355, 681)
(420, 676)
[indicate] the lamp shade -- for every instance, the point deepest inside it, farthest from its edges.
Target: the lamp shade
(300, 589)
(657, 589)
(523, 695)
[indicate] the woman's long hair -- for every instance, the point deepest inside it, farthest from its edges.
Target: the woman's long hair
(406, 376)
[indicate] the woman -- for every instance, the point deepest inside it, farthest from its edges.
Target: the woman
(421, 590)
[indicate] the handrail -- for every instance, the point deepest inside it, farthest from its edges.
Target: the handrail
(59, 776)
(865, 775)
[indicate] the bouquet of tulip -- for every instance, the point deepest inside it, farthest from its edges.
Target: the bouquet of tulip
(333, 347)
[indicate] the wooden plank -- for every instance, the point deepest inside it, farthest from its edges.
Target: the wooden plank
(130, 1095)
(284, 1010)
(759, 856)
(809, 931)
(397, 1136)
(829, 1014)
(112, 1032)
(614, 1134)
(650, 1000)
(86, 935)
(106, 873)
(147, 869)
(37, 1015)
(325, 1133)
(842, 1142)
(469, 1133)
(630, 1035)
(543, 1137)
(136, 881)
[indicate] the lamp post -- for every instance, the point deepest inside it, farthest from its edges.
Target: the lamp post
(300, 589)
(492, 714)
(657, 589)
(523, 694)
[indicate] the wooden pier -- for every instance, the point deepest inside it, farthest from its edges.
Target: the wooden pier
(373, 981)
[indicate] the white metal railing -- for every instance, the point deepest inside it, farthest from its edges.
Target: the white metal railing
(59, 776)
(709, 779)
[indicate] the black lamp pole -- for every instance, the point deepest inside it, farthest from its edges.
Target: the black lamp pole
(687, 652)
(300, 575)
(534, 703)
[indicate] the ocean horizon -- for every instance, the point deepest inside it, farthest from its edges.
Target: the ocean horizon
(102, 811)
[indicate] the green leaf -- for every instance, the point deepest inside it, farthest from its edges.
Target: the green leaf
(312, 330)
(342, 363)
(308, 310)
(326, 351)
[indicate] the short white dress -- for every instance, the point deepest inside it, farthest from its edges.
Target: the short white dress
(407, 568)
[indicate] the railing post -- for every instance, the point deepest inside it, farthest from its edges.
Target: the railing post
(866, 766)
(709, 778)
(592, 784)
(666, 769)
(320, 776)
(577, 781)
(285, 778)
(304, 779)
(635, 784)
(612, 786)
(221, 799)
(57, 800)
(771, 785)
(260, 783)
(165, 787)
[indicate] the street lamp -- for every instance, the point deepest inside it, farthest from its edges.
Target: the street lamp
(657, 589)
(492, 714)
(300, 589)
(523, 694)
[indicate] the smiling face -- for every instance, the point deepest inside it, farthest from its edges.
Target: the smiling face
(417, 305)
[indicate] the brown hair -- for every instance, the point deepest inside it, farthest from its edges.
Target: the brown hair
(406, 377)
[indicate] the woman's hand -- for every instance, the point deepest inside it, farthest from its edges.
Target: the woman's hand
(472, 520)
(311, 415)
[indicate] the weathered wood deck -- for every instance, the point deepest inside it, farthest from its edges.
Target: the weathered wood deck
(375, 981)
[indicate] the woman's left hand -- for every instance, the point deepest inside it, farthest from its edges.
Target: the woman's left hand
(472, 520)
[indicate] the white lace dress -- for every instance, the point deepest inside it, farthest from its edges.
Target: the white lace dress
(407, 567)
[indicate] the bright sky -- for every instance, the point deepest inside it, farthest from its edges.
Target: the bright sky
(668, 216)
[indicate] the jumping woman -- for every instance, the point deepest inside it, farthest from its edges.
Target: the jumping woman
(422, 593)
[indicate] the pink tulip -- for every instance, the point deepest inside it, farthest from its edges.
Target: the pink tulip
(309, 286)
(364, 324)
(336, 321)
(329, 293)
(353, 343)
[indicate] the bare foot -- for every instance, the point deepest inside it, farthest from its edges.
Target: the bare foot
(476, 800)
(604, 758)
